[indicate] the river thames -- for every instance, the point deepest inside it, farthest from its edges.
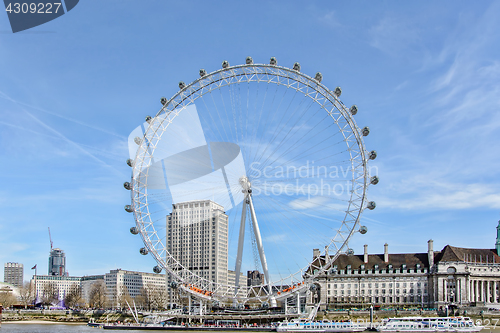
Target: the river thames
(54, 328)
(74, 328)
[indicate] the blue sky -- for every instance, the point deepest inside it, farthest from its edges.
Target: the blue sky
(425, 76)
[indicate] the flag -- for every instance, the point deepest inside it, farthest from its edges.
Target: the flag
(34, 267)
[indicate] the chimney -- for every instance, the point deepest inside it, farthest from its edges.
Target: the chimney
(386, 253)
(430, 253)
(365, 257)
(497, 244)
(315, 253)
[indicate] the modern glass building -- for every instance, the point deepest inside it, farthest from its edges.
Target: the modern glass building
(57, 262)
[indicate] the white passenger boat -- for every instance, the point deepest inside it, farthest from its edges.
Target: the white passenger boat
(429, 324)
(302, 325)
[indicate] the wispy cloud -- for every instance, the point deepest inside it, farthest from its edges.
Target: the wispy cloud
(78, 122)
(444, 196)
(330, 19)
(72, 143)
(394, 35)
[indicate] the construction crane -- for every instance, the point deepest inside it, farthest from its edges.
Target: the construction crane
(50, 238)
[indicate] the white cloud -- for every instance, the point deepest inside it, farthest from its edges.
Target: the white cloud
(444, 196)
(330, 19)
(277, 238)
(394, 34)
(308, 203)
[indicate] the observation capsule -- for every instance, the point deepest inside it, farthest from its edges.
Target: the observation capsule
(182, 85)
(337, 91)
(203, 72)
(225, 64)
(127, 186)
(296, 67)
(137, 140)
(353, 109)
(350, 252)
(130, 163)
(143, 251)
(372, 155)
(128, 208)
(163, 101)
(374, 180)
(265, 305)
(157, 269)
(318, 77)
(365, 131)
(173, 285)
(273, 61)
(148, 119)
(313, 287)
(249, 60)
(363, 230)
(134, 230)
(371, 205)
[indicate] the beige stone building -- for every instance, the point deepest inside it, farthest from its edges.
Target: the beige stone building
(197, 238)
(433, 279)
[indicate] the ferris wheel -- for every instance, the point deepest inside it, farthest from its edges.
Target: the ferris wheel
(267, 155)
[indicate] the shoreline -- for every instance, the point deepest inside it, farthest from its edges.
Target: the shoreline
(37, 321)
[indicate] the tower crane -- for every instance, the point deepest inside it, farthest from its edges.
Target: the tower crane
(50, 238)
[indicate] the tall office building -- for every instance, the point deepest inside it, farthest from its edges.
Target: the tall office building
(197, 238)
(13, 273)
(119, 282)
(57, 262)
(255, 278)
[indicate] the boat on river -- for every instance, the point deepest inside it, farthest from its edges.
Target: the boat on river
(303, 325)
(429, 324)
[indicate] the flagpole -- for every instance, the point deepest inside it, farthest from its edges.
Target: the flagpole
(36, 293)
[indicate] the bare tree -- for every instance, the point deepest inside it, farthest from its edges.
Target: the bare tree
(124, 297)
(27, 294)
(158, 296)
(7, 298)
(143, 300)
(97, 295)
(50, 294)
(73, 298)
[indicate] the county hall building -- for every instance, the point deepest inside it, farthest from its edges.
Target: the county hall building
(433, 279)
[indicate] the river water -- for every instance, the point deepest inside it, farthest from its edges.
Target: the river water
(76, 328)
(57, 328)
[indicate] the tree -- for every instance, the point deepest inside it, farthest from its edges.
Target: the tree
(73, 298)
(27, 294)
(158, 296)
(50, 294)
(97, 295)
(143, 300)
(124, 297)
(153, 297)
(7, 298)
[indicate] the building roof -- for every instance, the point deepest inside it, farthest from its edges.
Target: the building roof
(396, 260)
(452, 253)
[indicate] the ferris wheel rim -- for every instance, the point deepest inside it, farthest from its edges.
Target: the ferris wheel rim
(187, 91)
